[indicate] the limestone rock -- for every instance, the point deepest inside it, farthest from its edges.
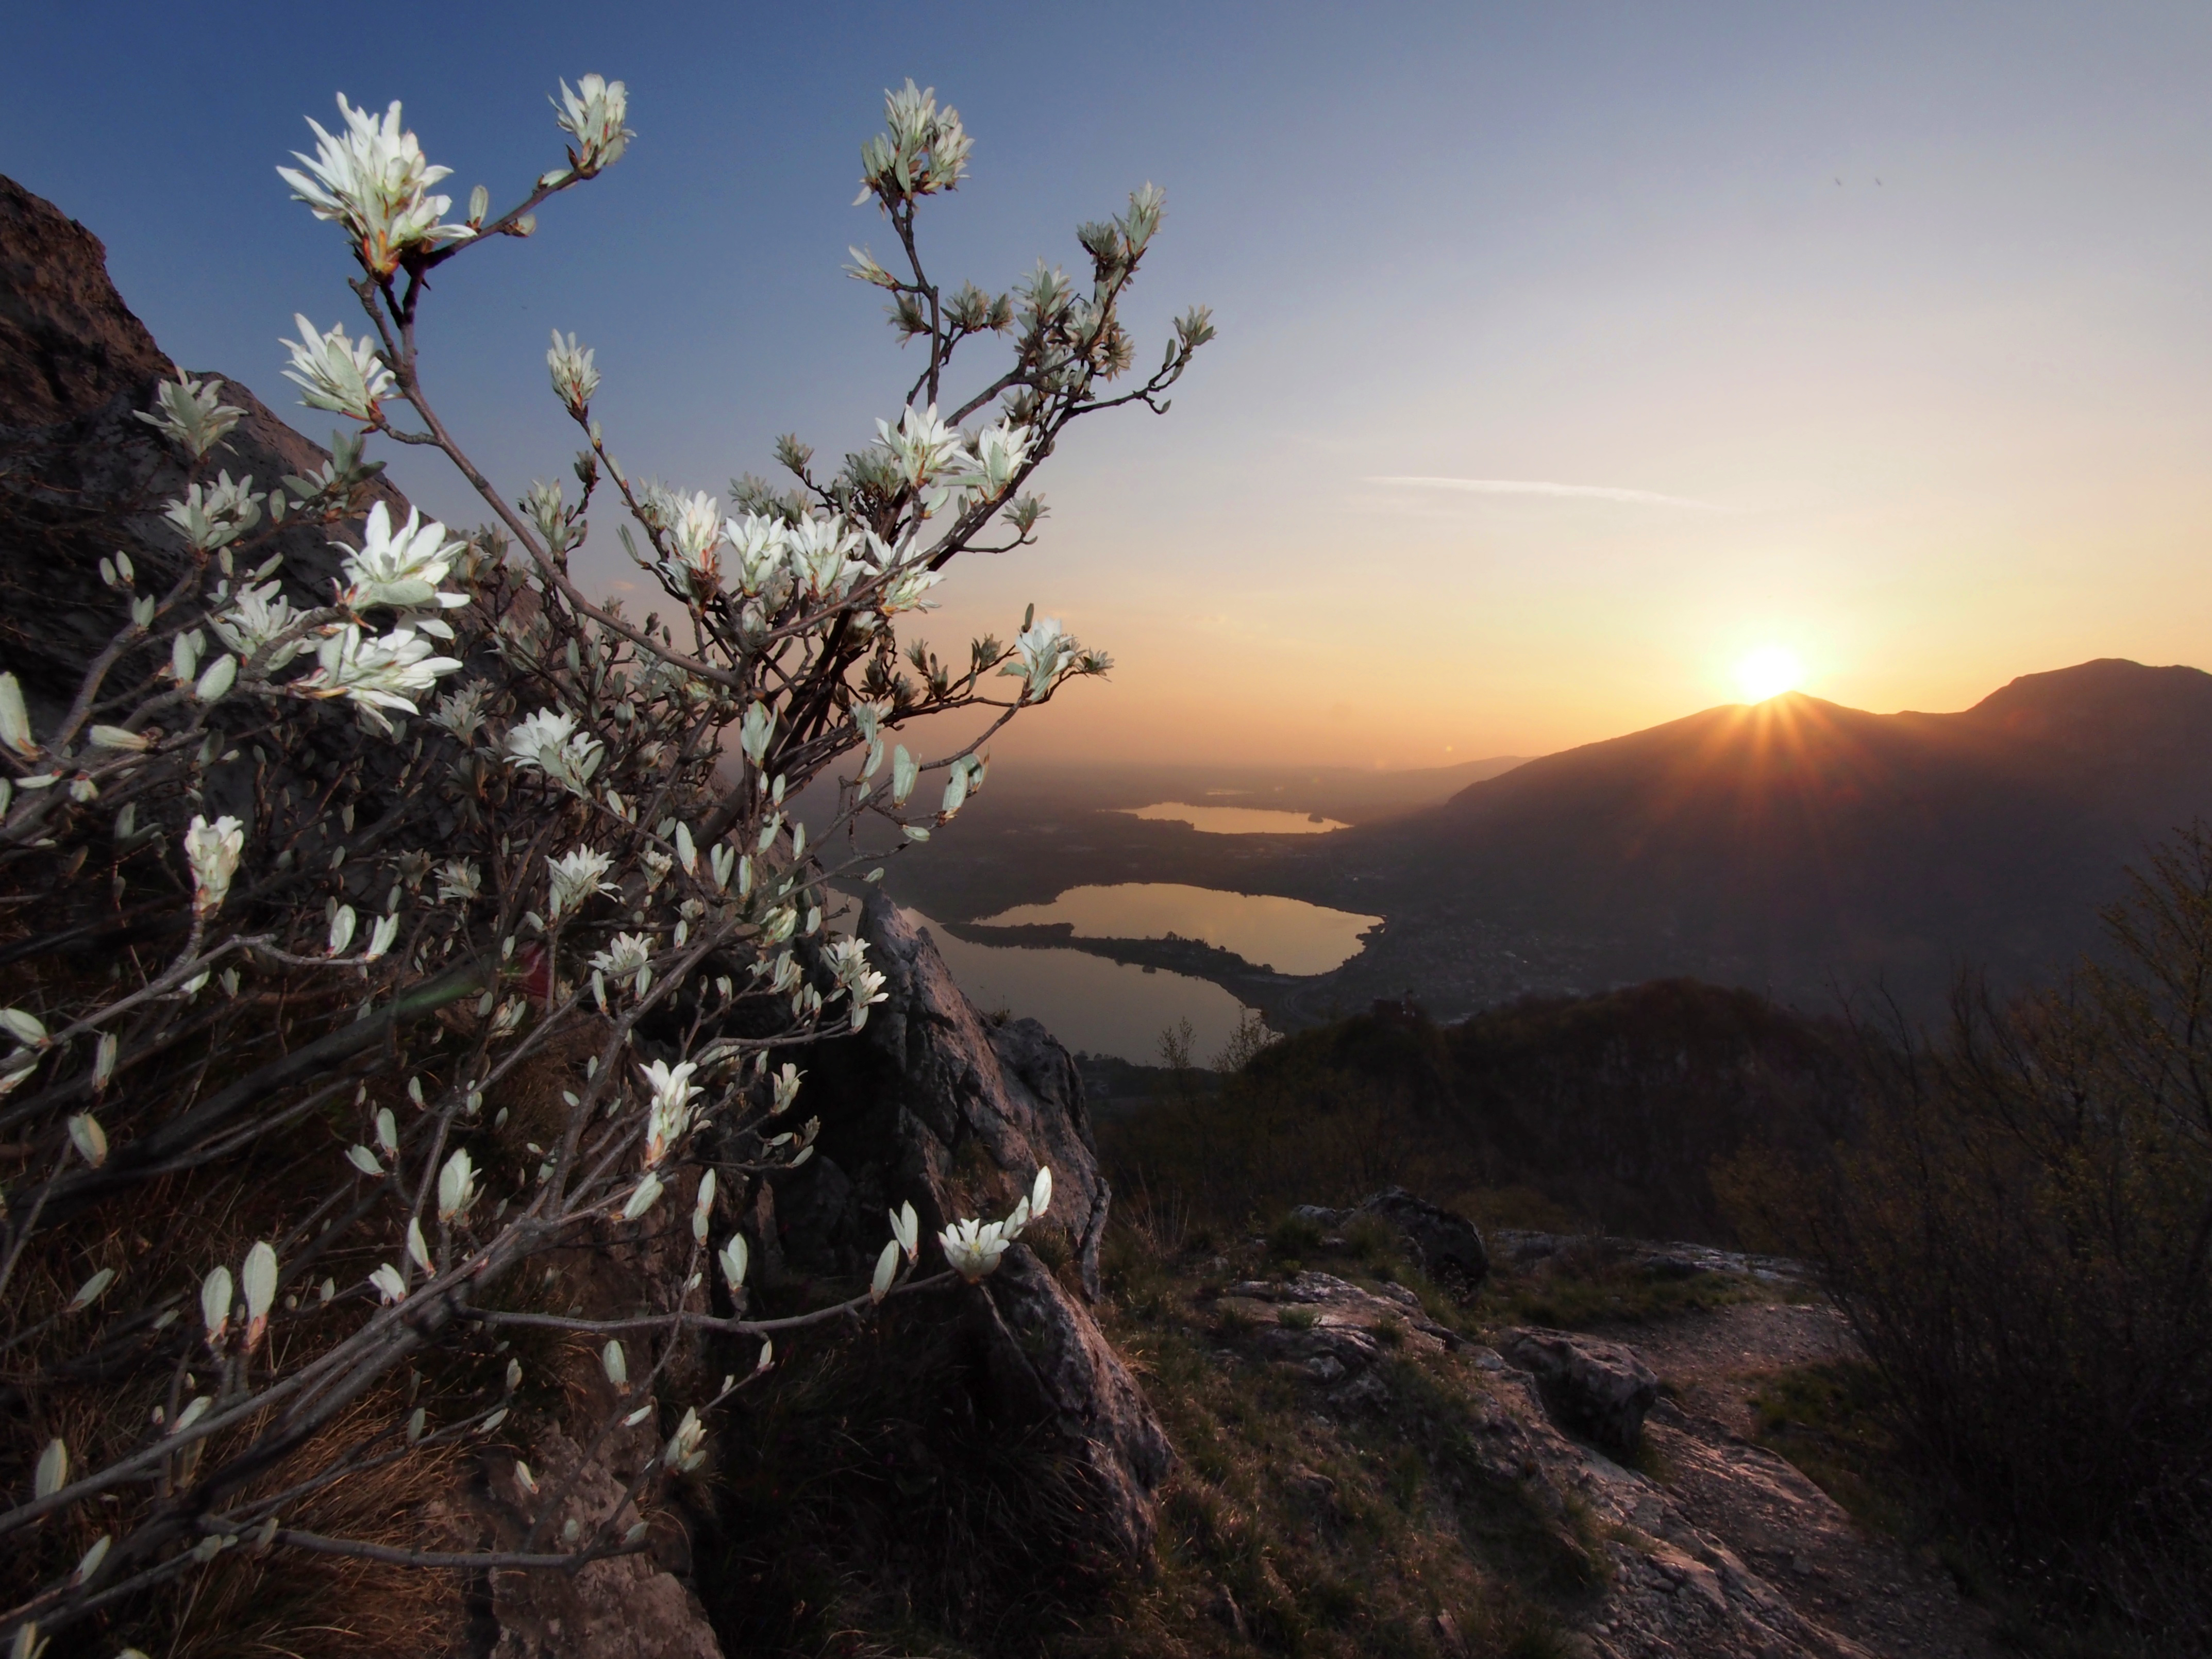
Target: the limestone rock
(1594, 1388)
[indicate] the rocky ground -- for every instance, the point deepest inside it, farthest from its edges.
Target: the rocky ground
(1629, 1442)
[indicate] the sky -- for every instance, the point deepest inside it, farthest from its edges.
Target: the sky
(1570, 356)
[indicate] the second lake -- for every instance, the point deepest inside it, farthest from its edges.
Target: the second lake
(1288, 935)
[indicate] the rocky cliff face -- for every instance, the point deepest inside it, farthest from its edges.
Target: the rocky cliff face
(79, 473)
(936, 1104)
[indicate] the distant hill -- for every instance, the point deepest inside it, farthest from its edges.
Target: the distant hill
(1796, 842)
(1351, 795)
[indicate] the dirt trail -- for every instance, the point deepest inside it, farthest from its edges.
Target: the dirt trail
(1867, 1588)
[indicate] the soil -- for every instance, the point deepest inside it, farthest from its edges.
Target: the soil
(1893, 1600)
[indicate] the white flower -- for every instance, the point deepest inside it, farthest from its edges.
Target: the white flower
(89, 1138)
(192, 415)
(847, 960)
(669, 1114)
(375, 674)
(418, 1246)
(904, 772)
(702, 1207)
(924, 151)
(15, 720)
(372, 179)
(592, 115)
(923, 447)
(458, 878)
(216, 1297)
(222, 674)
(1000, 451)
(786, 1084)
(574, 379)
(213, 851)
(380, 937)
(1041, 1191)
(88, 1563)
(615, 1363)
(694, 526)
(974, 1248)
(391, 1283)
(753, 735)
(209, 516)
(403, 568)
(258, 1280)
(733, 1261)
(1044, 649)
(577, 876)
(759, 543)
(879, 1285)
(342, 926)
(819, 553)
(965, 774)
(256, 616)
(625, 956)
(685, 1451)
(645, 1198)
(904, 591)
(528, 739)
(549, 741)
(91, 1291)
(457, 1185)
(338, 374)
(52, 1473)
(363, 1160)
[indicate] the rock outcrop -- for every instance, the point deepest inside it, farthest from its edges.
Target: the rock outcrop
(1445, 1244)
(79, 471)
(935, 1104)
(1598, 1389)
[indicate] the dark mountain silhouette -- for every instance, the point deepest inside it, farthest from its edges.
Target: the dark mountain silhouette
(1795, 844)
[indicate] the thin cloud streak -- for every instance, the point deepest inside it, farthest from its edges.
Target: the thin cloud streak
(1533, 487)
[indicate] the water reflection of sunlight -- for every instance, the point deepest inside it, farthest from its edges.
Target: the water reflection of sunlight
(1286, 934)
(1238, 820)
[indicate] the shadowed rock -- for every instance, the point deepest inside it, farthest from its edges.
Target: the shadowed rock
(934, 1104)
(1597, 1389)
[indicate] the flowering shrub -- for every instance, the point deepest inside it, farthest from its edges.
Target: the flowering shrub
(350, 861)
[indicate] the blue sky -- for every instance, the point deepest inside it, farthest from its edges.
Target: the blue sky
(1926, 433)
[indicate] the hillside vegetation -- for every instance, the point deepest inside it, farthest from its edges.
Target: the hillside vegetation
(1609, 1112)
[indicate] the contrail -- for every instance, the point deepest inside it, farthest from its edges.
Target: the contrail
(1534, 487)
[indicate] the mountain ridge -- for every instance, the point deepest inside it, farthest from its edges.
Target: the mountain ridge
(1797, 843)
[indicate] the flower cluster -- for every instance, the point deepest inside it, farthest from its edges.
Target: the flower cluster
(371, 179)
(555, 950)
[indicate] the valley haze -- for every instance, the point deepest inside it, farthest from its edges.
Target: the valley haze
(1795, 847)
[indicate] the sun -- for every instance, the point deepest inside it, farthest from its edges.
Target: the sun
(1768, 672)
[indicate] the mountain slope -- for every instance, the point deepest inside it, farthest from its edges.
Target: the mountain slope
(1796, 842)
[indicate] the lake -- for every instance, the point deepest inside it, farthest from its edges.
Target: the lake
(1285, 934)
(1236, 820)
(1091, 1005)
